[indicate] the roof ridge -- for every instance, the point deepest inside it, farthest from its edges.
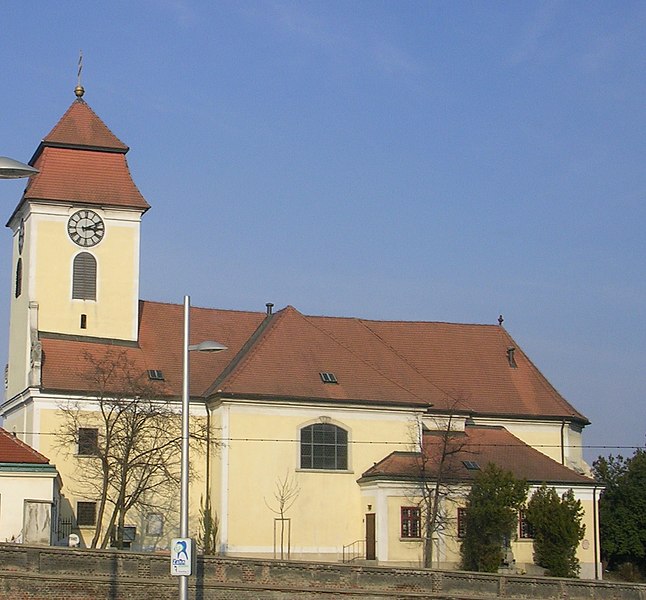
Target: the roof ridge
(248, 349)
(207, 308)
(405, 322)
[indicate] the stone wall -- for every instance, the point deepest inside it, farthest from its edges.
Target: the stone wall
(34, 573)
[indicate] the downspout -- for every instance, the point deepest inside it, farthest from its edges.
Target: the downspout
(595, 509)
(562, 442)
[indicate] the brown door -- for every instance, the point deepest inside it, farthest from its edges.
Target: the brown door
(370, 537)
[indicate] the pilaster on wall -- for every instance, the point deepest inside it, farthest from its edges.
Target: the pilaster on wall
(36, 348)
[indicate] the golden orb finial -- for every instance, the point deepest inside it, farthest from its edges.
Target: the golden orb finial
(79, 90)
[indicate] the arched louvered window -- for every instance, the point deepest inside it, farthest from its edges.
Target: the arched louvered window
(19, 277)
(324, 446)
(84, 278)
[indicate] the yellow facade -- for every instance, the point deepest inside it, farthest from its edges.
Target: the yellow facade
(46, 304)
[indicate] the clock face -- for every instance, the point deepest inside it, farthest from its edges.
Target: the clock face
(21, 236)
(85, 228)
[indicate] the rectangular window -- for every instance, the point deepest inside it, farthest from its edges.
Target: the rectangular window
(88, 441)
(410, 522)
(526, 529)
(155, 524)
(462, 522)
(85, 514)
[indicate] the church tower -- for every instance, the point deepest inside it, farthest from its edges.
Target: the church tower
(76, 237)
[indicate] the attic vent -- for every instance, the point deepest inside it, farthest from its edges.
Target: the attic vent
(155, 375)
(328, 378)
(471, 465)
(511, 351)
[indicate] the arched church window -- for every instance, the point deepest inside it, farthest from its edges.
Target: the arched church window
(324, 446)
(84, 278)
(19, 277)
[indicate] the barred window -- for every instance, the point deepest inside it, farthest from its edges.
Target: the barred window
(88, 439)
(410, 522)
(462, 522)
(84, 277)
(85, 513)
(526, 530)
(324, 446)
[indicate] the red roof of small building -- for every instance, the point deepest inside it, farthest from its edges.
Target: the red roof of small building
(281, 356)
(480, 445)
(12, 450)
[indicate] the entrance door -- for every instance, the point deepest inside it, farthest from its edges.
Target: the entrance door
(370, 537)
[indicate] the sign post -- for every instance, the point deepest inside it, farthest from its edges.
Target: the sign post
(181, 556)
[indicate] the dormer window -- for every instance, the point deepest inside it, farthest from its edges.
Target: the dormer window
(155, 375)
(511, 357)
(327, 377)
(471, 465)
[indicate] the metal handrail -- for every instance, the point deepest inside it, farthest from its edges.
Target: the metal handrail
(354, 550)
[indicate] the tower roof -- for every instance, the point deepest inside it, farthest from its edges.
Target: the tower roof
(81, 160)
(80, 127)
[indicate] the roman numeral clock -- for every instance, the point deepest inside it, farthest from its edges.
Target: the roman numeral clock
(85, 228)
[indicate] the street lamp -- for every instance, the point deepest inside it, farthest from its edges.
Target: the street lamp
(206, 346)
(13, 169)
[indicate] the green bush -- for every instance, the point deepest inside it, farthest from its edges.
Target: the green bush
(491, 518)
(556, 521)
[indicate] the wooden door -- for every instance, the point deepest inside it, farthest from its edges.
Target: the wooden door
(370, 537)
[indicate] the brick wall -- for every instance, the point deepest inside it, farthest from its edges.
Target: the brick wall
(34, 573)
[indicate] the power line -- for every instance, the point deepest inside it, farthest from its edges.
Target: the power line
(390, 442)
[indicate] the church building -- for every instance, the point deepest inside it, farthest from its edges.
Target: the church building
(314, 428)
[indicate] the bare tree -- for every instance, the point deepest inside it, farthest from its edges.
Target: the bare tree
(133, 459)
(285, 494)
(438, 453)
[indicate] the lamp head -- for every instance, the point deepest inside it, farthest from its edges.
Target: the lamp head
(207, 346)
(13, 169)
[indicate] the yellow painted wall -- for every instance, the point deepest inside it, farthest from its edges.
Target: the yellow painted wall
(47, 256)
(114, 313)
(329, 511)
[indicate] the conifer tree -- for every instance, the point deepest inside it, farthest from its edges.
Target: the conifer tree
(491, 516)
(556, 521)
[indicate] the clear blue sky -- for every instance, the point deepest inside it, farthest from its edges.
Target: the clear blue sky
(440, 161)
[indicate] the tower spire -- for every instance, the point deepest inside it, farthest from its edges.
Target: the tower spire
(79, 90)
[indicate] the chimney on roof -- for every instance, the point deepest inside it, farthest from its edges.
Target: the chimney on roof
(511, 351)
(270, 308)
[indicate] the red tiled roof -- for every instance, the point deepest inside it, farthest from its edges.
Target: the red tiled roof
(81, 160)
(468, 362)
(86, 176)
(482, 445)
(12, 450)
(446, 365)
(80, 126)
(65, 366)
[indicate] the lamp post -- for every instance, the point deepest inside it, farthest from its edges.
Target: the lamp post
(13, 169)
(201, 347)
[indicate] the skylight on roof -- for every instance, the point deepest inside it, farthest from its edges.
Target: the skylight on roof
(155, 375)
(471, 465)
(328, 377)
